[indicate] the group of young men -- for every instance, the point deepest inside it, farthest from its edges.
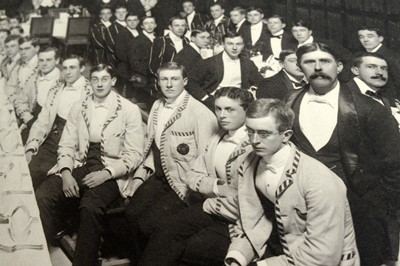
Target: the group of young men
(307, 174)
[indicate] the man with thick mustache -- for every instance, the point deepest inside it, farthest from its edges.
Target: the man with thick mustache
(355, 137)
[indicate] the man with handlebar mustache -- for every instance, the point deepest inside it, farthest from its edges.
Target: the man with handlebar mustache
(354, 136)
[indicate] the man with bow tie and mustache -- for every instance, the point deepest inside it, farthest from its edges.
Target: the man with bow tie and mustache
(355, 137)
(31, 99)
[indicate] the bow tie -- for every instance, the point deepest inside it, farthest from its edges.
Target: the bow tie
(101, 105)
(319, 99)
(299, 84)
(277, 36)
(43, 78)
(374, 94)
(70, 88)
(268, 167)
(228, 138)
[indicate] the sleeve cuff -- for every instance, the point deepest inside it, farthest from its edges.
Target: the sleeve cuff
(215, 188)
(111, 171)
(236, 255)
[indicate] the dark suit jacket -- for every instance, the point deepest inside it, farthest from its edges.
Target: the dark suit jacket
(139, 55)
(288, 42)
(392, 88)
(188, 57)
(205, 77)
(110, 39)
(278, 86)
(369, 140)
(261, 44)
(162, 51)
(199, 20)
(123, 44)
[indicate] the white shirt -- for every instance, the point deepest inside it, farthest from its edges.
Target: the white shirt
(232, 72)
(240, 24)
(151, 36)
(218, 20)
(45, 83)
(270, 171)
(135, 33)
(99, 113)
(318, 118)
(122, 23)
(106, 23)
(225, 148)
(195, 47)
(26, 70)
(46, 3)
(309, 40)
(364, 88)
(276, 44)
(189, 19)
(178, 42)
(293, 80)
(164, 114)
(69, 96)
(376, 48)
(256, 32)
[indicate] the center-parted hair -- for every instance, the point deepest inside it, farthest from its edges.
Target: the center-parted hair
(282, 113)
(172, 66)
(243, 96)
(315, 46)
(231, 34)
(101, 67)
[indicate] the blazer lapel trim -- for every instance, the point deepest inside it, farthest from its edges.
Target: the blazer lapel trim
(178, 112)
(287, 179)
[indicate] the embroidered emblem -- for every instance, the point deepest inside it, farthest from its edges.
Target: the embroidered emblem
(183, 149)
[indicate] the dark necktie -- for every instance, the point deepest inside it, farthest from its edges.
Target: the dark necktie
(373, 94)
(299, 84)
(277, 36)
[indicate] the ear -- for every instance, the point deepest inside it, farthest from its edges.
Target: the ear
(340, 67)
(280, 63)
(283, 25)
(355, 71)
(57, 61)
(381, 38)
(82, 69)
(185, 81)
(113, 81)
(287, 135)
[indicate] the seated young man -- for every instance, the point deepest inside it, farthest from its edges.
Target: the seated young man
(101, 144)
(280, 186)
(199, 234)
(178, 130)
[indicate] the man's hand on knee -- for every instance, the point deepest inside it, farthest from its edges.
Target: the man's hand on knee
(94, 179)
(70, 186)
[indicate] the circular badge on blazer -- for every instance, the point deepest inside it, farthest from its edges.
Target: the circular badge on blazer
(183, 149)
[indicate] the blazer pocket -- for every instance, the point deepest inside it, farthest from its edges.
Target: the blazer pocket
(183, 146)
(300, 217)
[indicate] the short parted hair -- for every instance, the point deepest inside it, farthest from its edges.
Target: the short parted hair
(146, 17)
(253, 8)
(46, 49)
(282, 19)
(197, 30)
(245, 97)
(231, 34)
(17, 17)
(171, 20)
(285, 53)
(240, 9)
(376, 29)
(172, 66)
(101, 67)
(120, 7)
(358, 57)
(189, 1)
(32, 39)
(217, 4)
(282, 113)
(6, 31)
(131, 14)
(77, 57)
(315, 46)
(302, 23)
(11, 38)
(105, 7)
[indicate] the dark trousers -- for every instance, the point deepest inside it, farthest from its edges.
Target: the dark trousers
(54, 206)
(191, 237)
(46, 157)
(377, 233)
(153, 202)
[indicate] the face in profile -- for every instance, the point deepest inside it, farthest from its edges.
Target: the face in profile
(102, 83)
(230, 113)
(171, 83)
(321, 70)
(291, 66)
(27, 51)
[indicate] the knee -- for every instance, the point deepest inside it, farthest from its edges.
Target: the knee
(88, 207)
